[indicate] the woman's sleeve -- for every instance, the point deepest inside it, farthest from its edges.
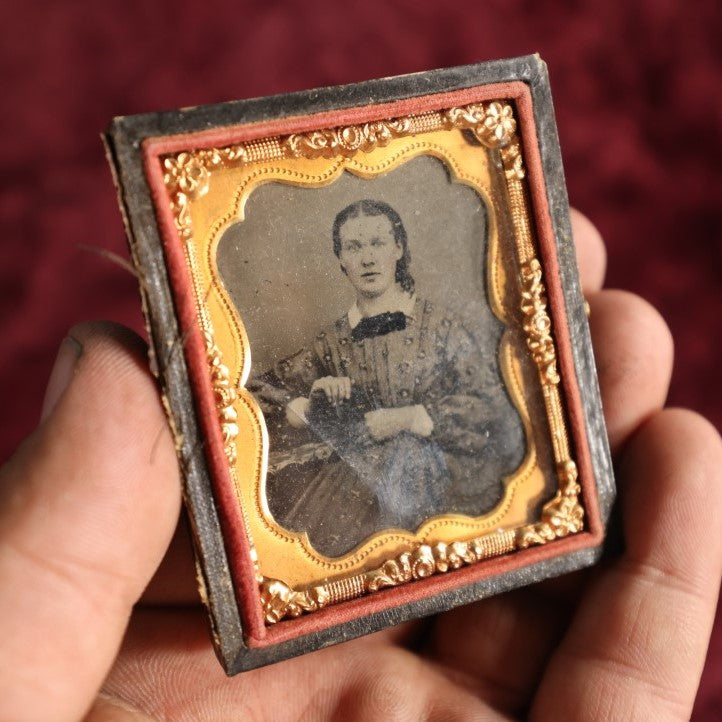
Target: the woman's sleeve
(467, 404)
(288, 379)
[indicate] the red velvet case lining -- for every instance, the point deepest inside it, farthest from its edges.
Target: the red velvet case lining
(236, 541)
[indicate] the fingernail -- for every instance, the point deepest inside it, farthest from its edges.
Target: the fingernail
(68, 355)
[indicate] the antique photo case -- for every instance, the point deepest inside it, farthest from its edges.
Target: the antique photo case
(367, 324)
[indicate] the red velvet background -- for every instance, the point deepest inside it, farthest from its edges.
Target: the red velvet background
(639, 109)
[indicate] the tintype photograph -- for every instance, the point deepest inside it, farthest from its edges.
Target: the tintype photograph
(374, 352)
(373, 348)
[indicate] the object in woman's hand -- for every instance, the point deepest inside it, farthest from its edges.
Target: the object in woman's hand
(337, 424)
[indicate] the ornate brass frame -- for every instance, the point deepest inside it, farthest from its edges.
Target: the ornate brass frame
(187, 177)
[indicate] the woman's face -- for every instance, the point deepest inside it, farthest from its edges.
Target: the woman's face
(369, 253)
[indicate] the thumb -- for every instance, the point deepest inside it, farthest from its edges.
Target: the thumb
(87, 508)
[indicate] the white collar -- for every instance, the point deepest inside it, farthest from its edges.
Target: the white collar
(406, 307)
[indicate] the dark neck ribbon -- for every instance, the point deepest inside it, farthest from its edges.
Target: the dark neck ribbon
(379, 325)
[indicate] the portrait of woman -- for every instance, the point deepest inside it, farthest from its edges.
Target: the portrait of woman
(393, 413)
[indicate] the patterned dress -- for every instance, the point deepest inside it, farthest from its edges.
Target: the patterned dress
(336, 483)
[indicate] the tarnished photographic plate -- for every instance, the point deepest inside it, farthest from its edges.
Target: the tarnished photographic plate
(367, 324)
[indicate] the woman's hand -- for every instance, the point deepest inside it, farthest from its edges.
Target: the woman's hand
(385, 423)
(336, 388)
(297, 412)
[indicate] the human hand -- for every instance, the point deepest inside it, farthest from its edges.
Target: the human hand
(336, 388)
(387, 422)
(89, 502)
(297, 411)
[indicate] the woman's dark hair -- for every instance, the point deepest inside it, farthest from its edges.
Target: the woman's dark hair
(379, 208)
